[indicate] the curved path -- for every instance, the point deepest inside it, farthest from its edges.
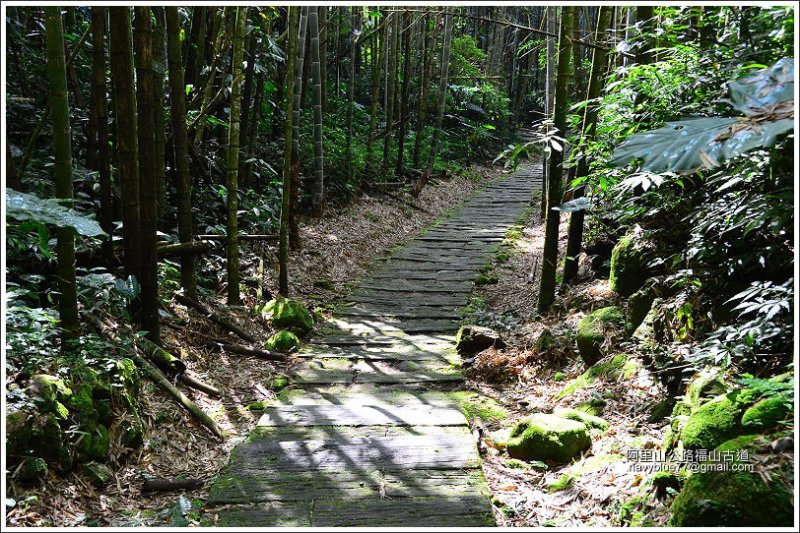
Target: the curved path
(368, 435)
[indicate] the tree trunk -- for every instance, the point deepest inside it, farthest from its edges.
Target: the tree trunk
(218, 31)
(375, 100)
(127, 148)
(645, 15)
(547, 286)
(401, 133)
(599, 63)
(233, 157)
(318, 191)
(297, 100)
(437, 132)
(549, 91)
(62, 152)
(247, 104)
(293, 21)
(100, 113)
(323, 47)
(351, 84)
(180, 143)
(422, 103)
(145, 96)
(392, 45)
(160, 65)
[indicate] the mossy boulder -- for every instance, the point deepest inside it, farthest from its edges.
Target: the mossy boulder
(282, 341)
(50, 393)
(51, 442)
(289, 315)
(629, 264)
(18, 431)
(99, 474)
(103, 397)
(767, 414)
(472, 339)
(665, 481)
(546, 437)
(278, 383)
(660, 410)
(639, 305)
(618, 368)
(645, 332)
(706, 384)
(94, 444)
(595, 328)
(588, 420)
(544, 341)
(680, 412)
(593, 407)
(712, 424)
(32, 470)
(734, 498)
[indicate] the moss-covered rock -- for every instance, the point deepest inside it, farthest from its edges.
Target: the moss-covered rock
(735, 498)
(94, 444)
(645, 332)
(767, 414)
(703, 386)
(546, 437)
(282, 341)
(99, 474)
(50, 442)
(712, 424)
(593, 407)
(618, 368)
(590, 421)
(50, 393)
(472, 339)
(32, 470)
(680, 413)
(629, 264)
(18, 432)
(660, 410)
(486, 279)
(544, 341)
(289, 315)
(595, 328)
(639, 305)
(278, 383)
(665, 481)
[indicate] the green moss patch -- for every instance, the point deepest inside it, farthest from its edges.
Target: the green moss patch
(762, 498)
(628, 265)
(595, 328)
(289, 315)
(474, 405)
(547, 437)
(620, 367)
(588, 420)
(282, 341)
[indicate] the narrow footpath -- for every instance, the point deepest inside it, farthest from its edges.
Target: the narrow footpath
(369, 434)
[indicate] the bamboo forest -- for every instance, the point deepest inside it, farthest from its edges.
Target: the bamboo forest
(400, 265)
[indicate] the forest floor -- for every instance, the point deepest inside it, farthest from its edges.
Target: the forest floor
(600, 489)
(339, 249)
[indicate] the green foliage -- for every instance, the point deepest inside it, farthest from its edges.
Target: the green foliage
(466, 59)
(29, 208)
(31, 331)
(765, 98)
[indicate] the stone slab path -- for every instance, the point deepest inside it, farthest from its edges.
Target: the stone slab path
(370, 434)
